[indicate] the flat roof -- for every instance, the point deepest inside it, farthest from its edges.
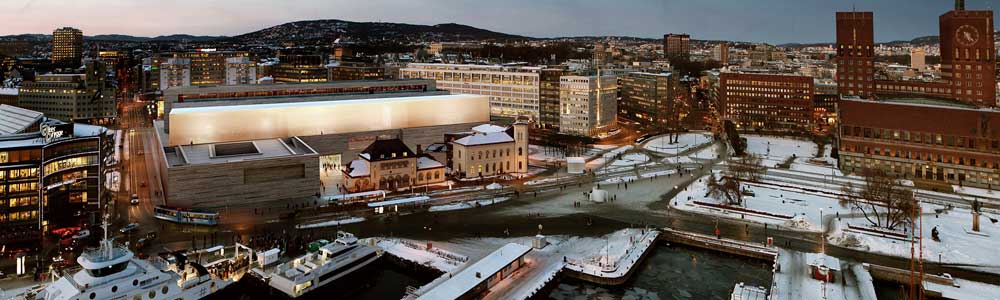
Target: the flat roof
(205, 154)
(14, 119)
(463, 282)
(921, 101)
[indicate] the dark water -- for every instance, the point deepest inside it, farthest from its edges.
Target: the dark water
(381, 280)
(674, 272)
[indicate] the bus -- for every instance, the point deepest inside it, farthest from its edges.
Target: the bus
(183, 216)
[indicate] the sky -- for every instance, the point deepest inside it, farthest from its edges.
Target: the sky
(771, 21)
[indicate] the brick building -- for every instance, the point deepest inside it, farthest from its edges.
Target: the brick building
(934, 141)
(769, 102)
(855, 54)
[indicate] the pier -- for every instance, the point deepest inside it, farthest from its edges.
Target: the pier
(734, 247)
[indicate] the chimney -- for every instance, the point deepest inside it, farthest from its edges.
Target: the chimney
(959, 5)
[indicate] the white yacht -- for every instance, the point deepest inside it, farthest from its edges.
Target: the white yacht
(112, 272)
(331, 262)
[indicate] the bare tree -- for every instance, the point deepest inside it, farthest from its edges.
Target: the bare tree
(748, 168)
(883, 200)
(728, 189)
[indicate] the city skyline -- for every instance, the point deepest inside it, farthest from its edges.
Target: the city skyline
(753, 22)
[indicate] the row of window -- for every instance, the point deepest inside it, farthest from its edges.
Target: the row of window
(925, 156)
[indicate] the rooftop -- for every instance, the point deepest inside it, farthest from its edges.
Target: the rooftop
(920, 101)
(14, 119)
(387, 149)
(484, 269)
(479, 138)
(219, 153)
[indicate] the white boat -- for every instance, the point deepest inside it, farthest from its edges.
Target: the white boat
(314, 270)
(112, 272)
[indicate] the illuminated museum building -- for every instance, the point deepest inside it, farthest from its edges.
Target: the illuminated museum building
(49, 174)
(276, 138)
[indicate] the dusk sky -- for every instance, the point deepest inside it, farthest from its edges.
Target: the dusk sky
(773, 21)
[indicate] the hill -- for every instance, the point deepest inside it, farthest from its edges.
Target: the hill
(317, 30)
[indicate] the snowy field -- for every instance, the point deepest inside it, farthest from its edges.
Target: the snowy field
(685, 142)
(775, 150)
(711, 152)
(803, 206)
(958, 244)
(631, 159)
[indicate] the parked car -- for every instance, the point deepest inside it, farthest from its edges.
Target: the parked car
(130, 227)
(82, 234)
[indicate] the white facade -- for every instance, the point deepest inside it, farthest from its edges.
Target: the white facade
(175, 72)
(199, 125)
(239, 70)
(513, 90)
(587, 106)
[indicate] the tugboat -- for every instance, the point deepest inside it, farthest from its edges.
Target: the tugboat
(113, 272)
(331, 262)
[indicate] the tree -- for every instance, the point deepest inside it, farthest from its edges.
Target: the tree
(883, 200)
(727, 190)
(747, 168)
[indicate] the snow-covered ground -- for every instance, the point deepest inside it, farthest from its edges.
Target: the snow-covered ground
(775, 150)
(439, 259)
(958, 244)
(803, 206)
(631, 159)
(711, 152)
(552, 155)
(467, 204)
(336, 222)
(685, 142)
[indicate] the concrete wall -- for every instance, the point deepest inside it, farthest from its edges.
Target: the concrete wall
(215, 186)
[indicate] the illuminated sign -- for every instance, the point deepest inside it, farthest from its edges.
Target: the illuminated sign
(50, 132)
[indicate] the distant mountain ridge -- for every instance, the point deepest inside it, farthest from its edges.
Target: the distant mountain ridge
(331, 29)
(118, 37)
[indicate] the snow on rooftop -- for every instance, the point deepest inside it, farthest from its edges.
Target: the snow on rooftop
(488, 128)
(485, 139)
(424, 162)
(8, 91)
(358, 169)
(476, 273)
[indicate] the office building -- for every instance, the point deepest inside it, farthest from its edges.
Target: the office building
(295, 129)
(676, 44)
(87, 97)
(49, 175)
(936, 143)
(175, 72)
(767, 102)
(67, 47)
(513, 90)
(240, 70)
(208, 67)
(855, 54)
(8, 96)
(917, 58)
(300, 67)
(588, 105)
(355, 71)
(968, 55)
(491, 150)
(653, 100)
(548, 95)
